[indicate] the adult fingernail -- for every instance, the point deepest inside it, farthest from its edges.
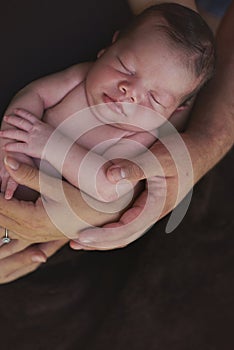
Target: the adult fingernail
(117, 173)
(8, 195)
(39, 258)
(83, 240)
(75, 245)
(11, 162)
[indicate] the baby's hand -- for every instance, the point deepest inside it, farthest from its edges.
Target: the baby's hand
(31, 134)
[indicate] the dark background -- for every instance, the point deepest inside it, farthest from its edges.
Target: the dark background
(162, 292)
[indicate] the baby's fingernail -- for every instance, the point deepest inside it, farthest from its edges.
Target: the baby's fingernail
(117, 173)
(39, 258)
(11, 162)
(8, 195)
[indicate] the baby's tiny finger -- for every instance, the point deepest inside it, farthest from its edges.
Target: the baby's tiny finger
(19, 147)
(14, 134)
(26, 115)
(18, 121)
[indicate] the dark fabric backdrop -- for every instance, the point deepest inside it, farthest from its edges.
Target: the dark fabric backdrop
(163, 292)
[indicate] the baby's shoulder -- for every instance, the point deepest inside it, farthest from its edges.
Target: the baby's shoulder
(78, 72)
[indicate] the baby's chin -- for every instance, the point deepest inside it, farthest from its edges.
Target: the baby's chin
(106, 114)
(128, 127)
(127, 116)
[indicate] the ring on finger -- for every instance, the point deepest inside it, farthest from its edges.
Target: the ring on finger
(6, 239)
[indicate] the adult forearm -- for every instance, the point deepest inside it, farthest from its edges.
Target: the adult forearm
(210, 133)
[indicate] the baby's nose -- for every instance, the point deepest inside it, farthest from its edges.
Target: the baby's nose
(129, 91)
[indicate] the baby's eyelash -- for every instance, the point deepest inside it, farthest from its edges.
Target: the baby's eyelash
(125, 68)
(155, 100)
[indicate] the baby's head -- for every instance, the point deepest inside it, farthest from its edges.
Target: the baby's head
(160, 60)
(184, 31)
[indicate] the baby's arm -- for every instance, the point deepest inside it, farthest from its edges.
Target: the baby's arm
(46, 92)
(37, 97)
(81, 167)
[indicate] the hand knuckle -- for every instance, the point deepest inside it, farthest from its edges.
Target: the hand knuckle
(136, 171)
(28, 175)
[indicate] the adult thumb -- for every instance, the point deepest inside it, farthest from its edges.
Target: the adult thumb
(22, 173)
(27, 175)
(125, 170)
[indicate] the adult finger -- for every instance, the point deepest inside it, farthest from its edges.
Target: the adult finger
(14, 275)
(26, 175)
(125, 170)
(167, 157)
(143, 166)
(26, 259)
(49, 248)
(29, 260)
(4, 181)
(16, 245)
(146, 210)
(10, 188)
(13, 247)
(154, 203)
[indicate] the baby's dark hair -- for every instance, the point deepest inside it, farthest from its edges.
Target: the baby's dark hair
(185, 29)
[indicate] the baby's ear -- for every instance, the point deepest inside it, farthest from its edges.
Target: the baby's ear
(181, 108)
(115, 36)
(100, 53)
(187, 104)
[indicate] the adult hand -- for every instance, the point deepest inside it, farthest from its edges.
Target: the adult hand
(59, 213)
(30, 221)
(162, 193)
(20, 257)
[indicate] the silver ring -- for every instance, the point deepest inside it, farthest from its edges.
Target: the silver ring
(6, 239)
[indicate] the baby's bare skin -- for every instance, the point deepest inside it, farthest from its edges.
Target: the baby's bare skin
(127, 94)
